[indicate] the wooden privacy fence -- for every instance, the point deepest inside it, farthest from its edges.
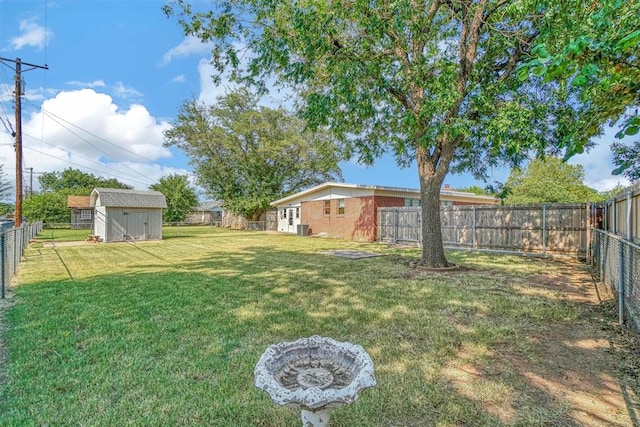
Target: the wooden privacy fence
(621, 215)
(561, 229)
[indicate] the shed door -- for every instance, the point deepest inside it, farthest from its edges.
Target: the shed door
(135, 224)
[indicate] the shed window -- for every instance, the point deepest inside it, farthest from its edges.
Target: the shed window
(85, 214)
(327, 207)
(340, 206)
(284, 213)
(297, 213)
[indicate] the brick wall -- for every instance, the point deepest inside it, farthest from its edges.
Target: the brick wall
(358, 221)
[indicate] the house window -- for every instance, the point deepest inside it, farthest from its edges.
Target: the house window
(284, 213)
(297, 213)
(411, 202)
(327, 207)
(85, 214)
(340, 206)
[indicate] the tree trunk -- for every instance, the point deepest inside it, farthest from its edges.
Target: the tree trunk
(430, 184)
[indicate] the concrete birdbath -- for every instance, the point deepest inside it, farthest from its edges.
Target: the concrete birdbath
(314, 375)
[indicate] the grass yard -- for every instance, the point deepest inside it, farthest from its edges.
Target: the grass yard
(168, 333)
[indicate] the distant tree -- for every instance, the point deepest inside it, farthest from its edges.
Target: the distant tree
(549, 180)
(181, 197)
(47, 207)
(6, 208)
(475, 189)
(247, 155)
(609, 194)
(75, 179)
(6, 186)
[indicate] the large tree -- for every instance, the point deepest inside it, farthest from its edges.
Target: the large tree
(431, 81)
(249, 155)
(50, 208)
(75, 179)
(549, 180)
(181, 197)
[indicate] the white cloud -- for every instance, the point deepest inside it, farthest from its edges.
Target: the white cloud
(126, 92)
(210, 91)
(86, 130)
(598, 165)
(179, 79)
(31, 34)
(95, 83)
(189, 46)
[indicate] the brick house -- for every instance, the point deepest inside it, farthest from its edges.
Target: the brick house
(349, 211)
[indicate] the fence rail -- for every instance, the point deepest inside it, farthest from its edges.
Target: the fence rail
(561, 229)
(616, 263)
(12, 245)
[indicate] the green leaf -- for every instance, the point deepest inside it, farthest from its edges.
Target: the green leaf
(620, 169)
(539, 70)
(631, 130)
(589, 70)
(523, 74)
(628, 41)
(579, 80)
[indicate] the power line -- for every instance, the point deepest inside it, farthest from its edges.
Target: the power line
(77, 155)
(48, 113)
(84, 166)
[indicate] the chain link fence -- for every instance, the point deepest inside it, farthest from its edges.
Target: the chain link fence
(12, 245)
(616, 264)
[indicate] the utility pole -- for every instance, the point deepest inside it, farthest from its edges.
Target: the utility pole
(30, 182)
(18, 101)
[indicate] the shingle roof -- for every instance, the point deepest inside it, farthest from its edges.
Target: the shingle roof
(115, 197)
(208, 206)
(78, 201)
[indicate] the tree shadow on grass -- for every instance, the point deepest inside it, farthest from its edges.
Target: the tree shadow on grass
(178, 344)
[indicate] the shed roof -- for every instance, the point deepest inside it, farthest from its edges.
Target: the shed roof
(115, 197)
(78, 201)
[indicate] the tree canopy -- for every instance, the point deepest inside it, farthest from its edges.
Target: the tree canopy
(249, 155)
(180, 195)
(549, 180)
(602, 56)
(50, 208)
(431, 81)
(76, 180)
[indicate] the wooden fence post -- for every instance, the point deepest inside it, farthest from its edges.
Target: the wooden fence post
(544, 229)
(620, 282)
(473, 229)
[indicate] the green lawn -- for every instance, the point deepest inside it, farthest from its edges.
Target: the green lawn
(168, 333)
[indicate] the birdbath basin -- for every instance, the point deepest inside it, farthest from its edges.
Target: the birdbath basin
(314, 375)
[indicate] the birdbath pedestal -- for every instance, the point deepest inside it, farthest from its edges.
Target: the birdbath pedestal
(314, 375)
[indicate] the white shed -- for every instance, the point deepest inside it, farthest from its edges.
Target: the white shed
(122, 215)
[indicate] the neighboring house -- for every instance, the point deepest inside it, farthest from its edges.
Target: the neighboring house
(349, 211)
(122, 215)
(206, 213)
(81, 212)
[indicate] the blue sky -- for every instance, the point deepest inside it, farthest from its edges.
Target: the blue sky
(118, 73)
